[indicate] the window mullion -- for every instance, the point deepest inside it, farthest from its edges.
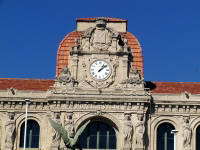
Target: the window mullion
(98, 138)
(107, 138)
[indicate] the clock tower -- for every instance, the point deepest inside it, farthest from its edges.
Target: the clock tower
(100, 77)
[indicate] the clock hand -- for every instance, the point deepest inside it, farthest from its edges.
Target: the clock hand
(102, 67)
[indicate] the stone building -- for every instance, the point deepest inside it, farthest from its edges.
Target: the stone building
(99, 77)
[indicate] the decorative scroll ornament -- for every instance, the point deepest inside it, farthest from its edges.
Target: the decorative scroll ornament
(101, 38)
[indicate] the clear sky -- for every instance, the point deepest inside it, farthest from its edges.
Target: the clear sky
(168, 30)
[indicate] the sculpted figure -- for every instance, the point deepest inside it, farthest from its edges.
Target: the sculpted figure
(70, 138)
(128, 131)
(64, 75)
(139, 130)
(10, 131)
(187, 134)
(134, 77)
(55, 136)
(69, 122)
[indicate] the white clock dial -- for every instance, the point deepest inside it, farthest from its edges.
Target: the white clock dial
(100, 70)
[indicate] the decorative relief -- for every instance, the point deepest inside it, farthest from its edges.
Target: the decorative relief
(127, 131)
(176, 108)
(101, 38)
(134, 80)
(10, 131)
(69, 124)
(139, 131)
(56, 138)
(187, 133)
(100, 84)
(64, 79)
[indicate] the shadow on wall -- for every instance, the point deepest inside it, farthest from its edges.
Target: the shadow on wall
(150, 85)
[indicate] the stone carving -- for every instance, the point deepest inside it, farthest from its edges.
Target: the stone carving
(10, 131)
(134, 79)
(69, 125)
(55, 142)
(187, 134)
(69, 137)
(139, 131)
(76, 46)
(128, 131)
(100, 38)
(100, 84)
(64, 79)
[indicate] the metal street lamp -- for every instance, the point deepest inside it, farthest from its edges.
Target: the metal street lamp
(25, 129)
(174, 132)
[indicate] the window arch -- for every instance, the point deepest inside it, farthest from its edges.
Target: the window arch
(165, 139)
(98, 135)
(198, 138)
(32, 135)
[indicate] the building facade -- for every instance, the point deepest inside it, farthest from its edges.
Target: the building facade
(99, 77)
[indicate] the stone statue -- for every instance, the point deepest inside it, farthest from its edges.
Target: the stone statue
(69, 137)
(134, 77)
(55, 136)
(69, 122)
(187, 134)
(10, 131)
(65, 79)
(64, 76)
(134, 80)
(128, 131)
(139, 131)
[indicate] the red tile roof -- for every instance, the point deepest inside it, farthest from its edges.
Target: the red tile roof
(155, 87)
(174, 87)
(25, 84)
(68, 42)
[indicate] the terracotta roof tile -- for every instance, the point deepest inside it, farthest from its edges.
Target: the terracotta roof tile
(25, 84)
(155, 87)
(174, 87)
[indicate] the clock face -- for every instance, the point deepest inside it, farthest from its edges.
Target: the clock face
(100, 70)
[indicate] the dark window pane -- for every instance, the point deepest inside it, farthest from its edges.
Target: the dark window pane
(165, 140)
(98, 135)
(32, 134)
(102, 141)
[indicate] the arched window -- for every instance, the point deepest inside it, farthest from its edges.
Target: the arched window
(165, 139)
(98, 135)
(198, 138)
(32, 134)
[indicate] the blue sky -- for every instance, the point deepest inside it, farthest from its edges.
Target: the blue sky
(30, 31)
